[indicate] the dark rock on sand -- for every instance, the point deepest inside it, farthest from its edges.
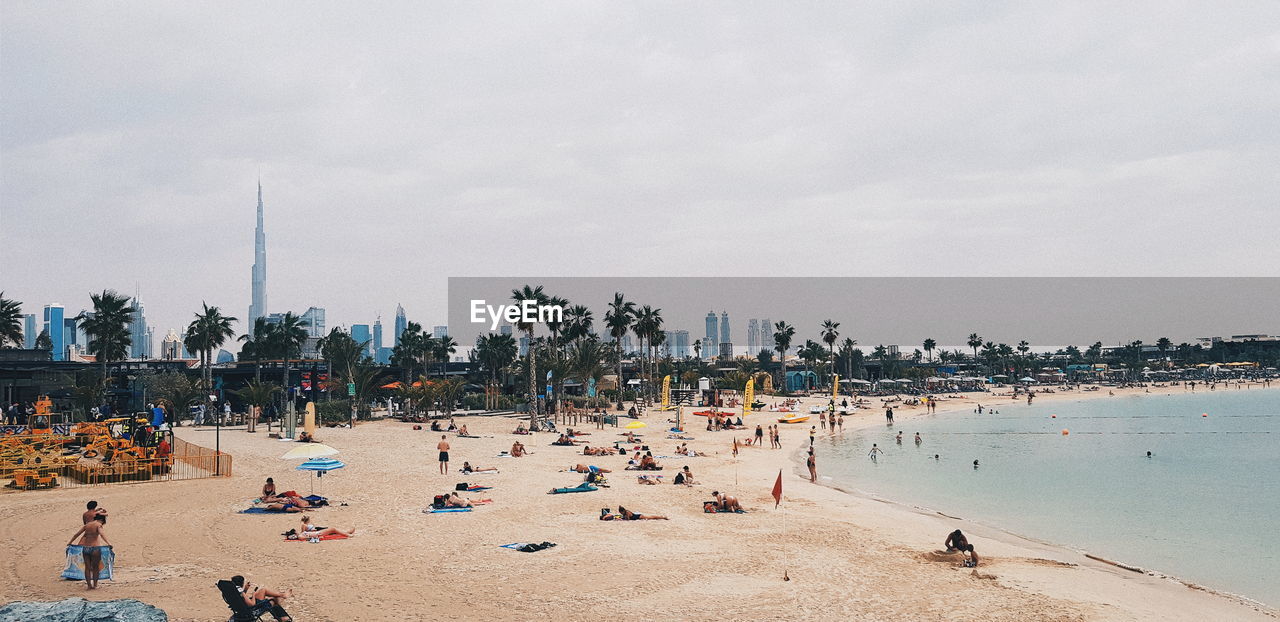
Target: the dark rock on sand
(81, 610)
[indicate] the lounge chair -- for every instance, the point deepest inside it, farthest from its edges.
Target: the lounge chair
(241, 611)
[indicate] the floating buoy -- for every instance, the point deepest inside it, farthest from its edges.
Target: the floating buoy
(1053, 416)
(1065, 432)
(1204, 414)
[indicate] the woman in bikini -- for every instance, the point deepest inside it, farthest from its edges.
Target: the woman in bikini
(92, 550)
(311, 531)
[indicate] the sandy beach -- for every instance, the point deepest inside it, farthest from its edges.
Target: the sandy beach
(848, 557)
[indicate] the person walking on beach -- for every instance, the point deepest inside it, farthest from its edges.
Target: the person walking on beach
(813, 429)
(443, 446)
(813, 467)
(90, 549)
(823, 418)
(918, 439)
(874, 451)
(773, 437)
(759, 436)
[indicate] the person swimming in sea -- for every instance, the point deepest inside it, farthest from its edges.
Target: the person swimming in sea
(975, 464)
(874, 450)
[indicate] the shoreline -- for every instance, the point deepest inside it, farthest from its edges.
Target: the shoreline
(1014, 537)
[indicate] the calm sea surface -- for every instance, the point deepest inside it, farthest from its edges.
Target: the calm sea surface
(1204, 507)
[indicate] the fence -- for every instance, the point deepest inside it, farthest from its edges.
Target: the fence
(35, 462)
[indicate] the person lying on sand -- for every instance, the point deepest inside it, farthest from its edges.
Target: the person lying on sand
(311, 531)
(520, 429)
(306, 438)
(647, 463)
(467, 468)
(517, 449)
(649, 480)
(564, 441)
(582, 468)
(598, 451)
(454, 500)
(726, 503)
(261, 599)
(288, 503)
(625, 514)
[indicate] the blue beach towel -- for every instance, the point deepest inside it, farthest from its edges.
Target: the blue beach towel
(445, 510)
(75, 563)
(583, 487)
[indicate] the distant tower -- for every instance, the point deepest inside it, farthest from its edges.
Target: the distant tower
(753, 336)
(724, 327)
(709, 349)
(140, 341)
(401, 323)
(30, 332)
(258, 305)
(377, 337)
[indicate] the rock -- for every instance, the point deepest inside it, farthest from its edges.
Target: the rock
(81, 610)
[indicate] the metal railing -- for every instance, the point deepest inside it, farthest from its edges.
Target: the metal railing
(34, 462)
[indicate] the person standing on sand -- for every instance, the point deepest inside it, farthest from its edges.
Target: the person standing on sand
(443, 446)
(92, 511)
(813, 429)
(823, 418)
(90, 549)
(759, 436)
(813, 467)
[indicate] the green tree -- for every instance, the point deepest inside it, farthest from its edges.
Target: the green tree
(10, 322)
(975, 342)
(256, 345)
(206, 333)
(286, 342)
(108, 327)
(537, 297)
(43, 342)
(618, 319)
(442, 349)
(831, 332)
(588, 361)
(258, 393)
(929, 344)
(783, 333)
(177, 389)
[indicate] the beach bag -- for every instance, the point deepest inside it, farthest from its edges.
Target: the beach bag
(438, 501)
(462, 486)
(709, 507)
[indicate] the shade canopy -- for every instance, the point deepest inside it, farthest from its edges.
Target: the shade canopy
(635, 425)
(322, 465)
(309, 450)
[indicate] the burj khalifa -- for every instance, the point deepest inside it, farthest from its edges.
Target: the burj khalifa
(258, 304)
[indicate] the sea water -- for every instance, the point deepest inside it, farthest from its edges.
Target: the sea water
(1204, 507)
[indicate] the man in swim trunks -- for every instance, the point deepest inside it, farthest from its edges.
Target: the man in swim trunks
(443, 446)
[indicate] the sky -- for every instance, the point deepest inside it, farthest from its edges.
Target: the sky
(400, 144)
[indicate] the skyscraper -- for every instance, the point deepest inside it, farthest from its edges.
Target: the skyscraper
(401, 323)
(30, 332)
(377, 338)
(360, 334)
(713, 335)
(439, 331)
(54, 325)
(677, 344)
(171, 347)
(139, 334)
(766, 335)
(258, 304)
(724, 327)
(753, 336)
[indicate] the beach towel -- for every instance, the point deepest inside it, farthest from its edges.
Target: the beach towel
(445, 510)
(583, 487)
(75, 563)
(257, 510)
(332, 536)
(527, 547)
(478, 488)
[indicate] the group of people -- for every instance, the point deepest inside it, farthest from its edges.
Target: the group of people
(836, 419)
(775, 438)
(643, 462)
(723, 421)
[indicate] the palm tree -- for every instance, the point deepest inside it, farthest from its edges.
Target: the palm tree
(697, 348)
(929, 344)
(256, 345)
(108, 327)
(1162, 344)
(258, 393)
(974, 342)
(206, 333)
(405, 354)
(519, 296)
(365, 379)
(289, 335)
(782, 335)
(176, 388)
(10, 322)
(830, 333)
(618, 319)
(442, 349)
(342, 352)
(43, 341)
(577, 322)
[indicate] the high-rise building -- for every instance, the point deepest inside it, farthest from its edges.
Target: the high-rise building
(713, 336)
(360, 334)
(505, 329)
(724, 327)
(30, 332)
(258, 303)
(401, 323)
(54, 325)
(139, 333)
(676, 344)
(171, 347)
(439, 331)
(766, 335)
(313, 320)
(70, 331)
(753, 336)
(186, 354)
(376, 345)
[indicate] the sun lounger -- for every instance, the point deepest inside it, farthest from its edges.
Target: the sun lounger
(241, 611)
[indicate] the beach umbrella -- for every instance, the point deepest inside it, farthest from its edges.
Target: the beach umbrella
(635, 425)
(321, 466)
(308, 451)
(1027, 379)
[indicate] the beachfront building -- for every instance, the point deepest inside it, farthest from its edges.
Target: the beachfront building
(171, 347)
(712, 337)
(804, 380)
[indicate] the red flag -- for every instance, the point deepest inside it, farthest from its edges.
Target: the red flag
(777, 491)
(735, 447)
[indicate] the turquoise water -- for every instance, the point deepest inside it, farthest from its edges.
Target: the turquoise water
(1204, 507)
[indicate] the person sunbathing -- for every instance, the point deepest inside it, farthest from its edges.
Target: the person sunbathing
(629, 515)
(726, 503)
(563, 441)
(467, 468)
(520, 429)
(597, 451)
(288, 503)
(582, 468)
(649, 480)
(454, 500)
(517, 449)
(462, 431)
(306, 438)
(311, 531)
(647, 463)
(269, 490)
(260, 599)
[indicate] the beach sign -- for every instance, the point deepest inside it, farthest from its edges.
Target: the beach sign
(309, 420)
(666, 392)
(749, 396)
(835, 387)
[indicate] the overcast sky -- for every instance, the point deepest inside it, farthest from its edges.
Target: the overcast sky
(400, 144)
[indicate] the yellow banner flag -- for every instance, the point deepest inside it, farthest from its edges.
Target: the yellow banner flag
(666, 392)
(835, 386)
(749, 396)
